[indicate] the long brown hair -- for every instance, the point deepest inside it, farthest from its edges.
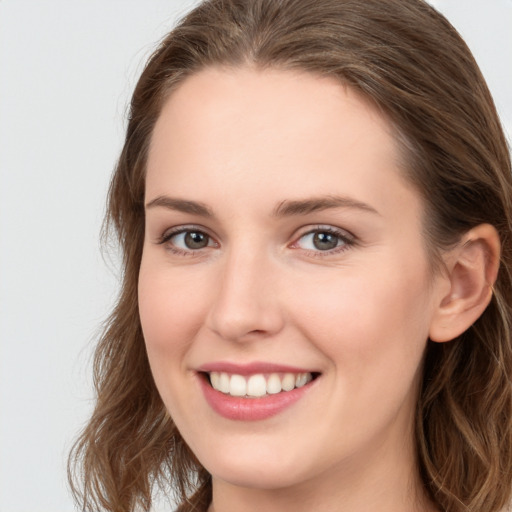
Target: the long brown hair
(413, 65)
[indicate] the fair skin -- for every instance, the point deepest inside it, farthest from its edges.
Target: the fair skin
(279, 230)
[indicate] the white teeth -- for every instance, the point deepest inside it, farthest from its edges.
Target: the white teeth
(274, 384)
(258, 385)
(215, 380)
(237, 386)
(302, 379)
(224, 383)
(288, 382)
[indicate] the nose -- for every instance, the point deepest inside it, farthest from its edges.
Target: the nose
(245, 305)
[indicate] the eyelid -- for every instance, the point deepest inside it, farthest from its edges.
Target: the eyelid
(175, 230)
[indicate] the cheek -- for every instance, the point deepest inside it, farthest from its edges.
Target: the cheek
(170, 313)
(373, 333)
(369, 322)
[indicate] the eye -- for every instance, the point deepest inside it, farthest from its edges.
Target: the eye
(185, 240)
(324, 239)
(192, 239)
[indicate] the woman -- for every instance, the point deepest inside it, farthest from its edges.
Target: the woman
(314, 203)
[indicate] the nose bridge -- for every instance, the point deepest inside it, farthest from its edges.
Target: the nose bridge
(246, 300)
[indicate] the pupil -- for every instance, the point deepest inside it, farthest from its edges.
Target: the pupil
(325, 241)
(195, 240)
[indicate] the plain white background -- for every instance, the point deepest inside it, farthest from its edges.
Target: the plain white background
(66, 73)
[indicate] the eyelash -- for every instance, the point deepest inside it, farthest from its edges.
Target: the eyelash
(347, 240)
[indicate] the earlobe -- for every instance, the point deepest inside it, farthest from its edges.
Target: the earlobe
(472, 269)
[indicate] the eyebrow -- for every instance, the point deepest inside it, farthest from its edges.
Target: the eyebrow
(286, 208)
(180, 205)
(315, 204)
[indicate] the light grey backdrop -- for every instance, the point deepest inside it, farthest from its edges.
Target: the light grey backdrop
(66, 73)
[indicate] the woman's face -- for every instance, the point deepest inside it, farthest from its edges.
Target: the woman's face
(283, 259)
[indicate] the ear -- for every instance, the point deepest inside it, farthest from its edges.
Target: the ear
(471, 271)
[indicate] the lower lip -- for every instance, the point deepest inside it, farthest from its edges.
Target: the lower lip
(250, 409)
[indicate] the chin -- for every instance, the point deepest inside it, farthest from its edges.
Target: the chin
(260, 468)
(255, 476)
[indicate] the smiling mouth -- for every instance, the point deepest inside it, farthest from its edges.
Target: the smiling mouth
(257, 385)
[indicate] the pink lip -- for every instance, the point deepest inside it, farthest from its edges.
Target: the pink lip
(249, 409)
(250, 368)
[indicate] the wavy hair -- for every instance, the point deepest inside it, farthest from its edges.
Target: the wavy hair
(407, 59)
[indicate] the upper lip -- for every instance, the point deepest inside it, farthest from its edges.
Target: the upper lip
(250, 368)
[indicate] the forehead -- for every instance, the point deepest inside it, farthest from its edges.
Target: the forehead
(259, 130)
(232, 103)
